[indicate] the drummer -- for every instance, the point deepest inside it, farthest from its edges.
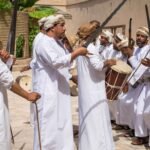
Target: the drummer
(140, 82)
(105, 40)
(110, 50)
(116, 51)
(125, 100)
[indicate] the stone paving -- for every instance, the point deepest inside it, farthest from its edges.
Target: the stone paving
(22, 130)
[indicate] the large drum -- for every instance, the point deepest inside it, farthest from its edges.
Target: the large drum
(116, 78)
(25, 82)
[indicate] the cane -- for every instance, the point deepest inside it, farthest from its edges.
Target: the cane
(12, 136)
(38, 125)
(24, 81)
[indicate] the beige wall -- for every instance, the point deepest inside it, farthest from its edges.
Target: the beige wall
(60, 2)
(100, 9)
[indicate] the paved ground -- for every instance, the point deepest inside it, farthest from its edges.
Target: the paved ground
(19, 112)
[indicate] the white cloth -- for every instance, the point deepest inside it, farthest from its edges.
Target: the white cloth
(33, 66)
(54, 106)
(135, 105)
(94, 127)
(131, 105)
(6, 81)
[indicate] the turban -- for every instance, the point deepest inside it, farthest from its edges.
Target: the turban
(123, 43)
(42, 21)
(143, 31)
(85, 30)
(119, 37)
(107, 34)
(53, 20)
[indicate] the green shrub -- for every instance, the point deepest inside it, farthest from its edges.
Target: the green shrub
(20, 45)
(42, 12)
(33, 31)
(5, 5)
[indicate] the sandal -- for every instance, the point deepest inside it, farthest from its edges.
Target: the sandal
(139, 141)
(118, 127)
(129, 134)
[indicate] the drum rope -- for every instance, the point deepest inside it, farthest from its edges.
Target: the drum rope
(110, 71)
(112, 86)
(121, 87)
(115, 84)
(108, 75)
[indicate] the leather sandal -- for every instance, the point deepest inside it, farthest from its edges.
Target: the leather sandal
(139, 141)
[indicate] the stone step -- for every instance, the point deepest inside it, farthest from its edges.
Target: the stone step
(20, 63)
(18, 67)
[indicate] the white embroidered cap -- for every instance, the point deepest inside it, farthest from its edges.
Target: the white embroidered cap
(42, 21)
(119, 36)
(52, 20)
(143, 31)
(123, 43)
(107, 34)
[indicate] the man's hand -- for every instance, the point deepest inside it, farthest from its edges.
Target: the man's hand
(125, 88)
(129, 52)
(81, 51)
(109, 62)
(4, 55)
(77, 52)
(33, 96)
(146, 62)
(74, 79)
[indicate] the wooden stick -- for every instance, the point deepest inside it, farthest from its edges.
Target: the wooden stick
(38, 125)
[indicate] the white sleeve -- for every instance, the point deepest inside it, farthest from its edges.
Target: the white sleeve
(9, 62)
(138, 74)
(95, 58)
(6, 78)
(47, 52)
(133, 61)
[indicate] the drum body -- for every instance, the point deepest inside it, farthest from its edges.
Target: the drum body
(25, 82)
(116, 77)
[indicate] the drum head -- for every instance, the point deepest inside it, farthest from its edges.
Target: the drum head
(122, 67)
(25, 82)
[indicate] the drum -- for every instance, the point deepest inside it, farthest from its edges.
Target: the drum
(25, 82)
(116, 78)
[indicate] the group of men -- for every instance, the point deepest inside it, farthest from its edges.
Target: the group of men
(50, 66)
(51, 62)
(131, 108)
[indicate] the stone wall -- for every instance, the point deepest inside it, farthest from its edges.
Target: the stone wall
(85, 10)
(22, 28)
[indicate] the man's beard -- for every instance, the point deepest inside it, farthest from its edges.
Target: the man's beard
(115, 48)
(140, 44)
(61, 36)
